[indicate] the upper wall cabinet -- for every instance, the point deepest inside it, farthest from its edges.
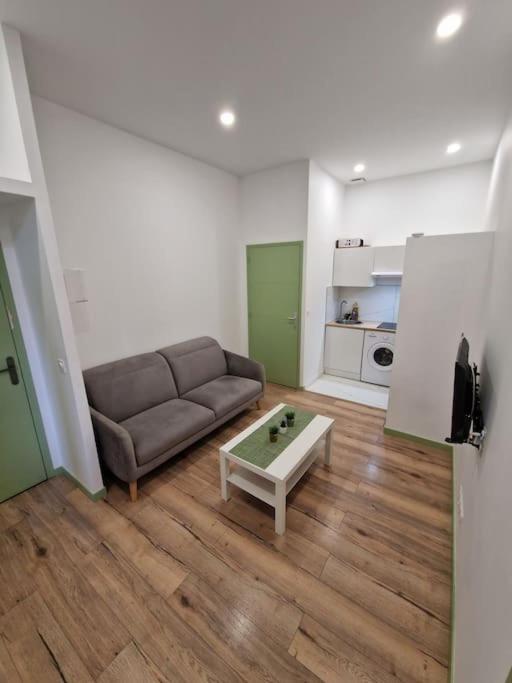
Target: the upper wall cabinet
(388, 261)
(353, 267)
(363, 266)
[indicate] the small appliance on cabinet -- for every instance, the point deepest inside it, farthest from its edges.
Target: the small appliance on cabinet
(378, 356)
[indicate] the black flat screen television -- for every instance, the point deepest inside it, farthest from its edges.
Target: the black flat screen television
(466, 411)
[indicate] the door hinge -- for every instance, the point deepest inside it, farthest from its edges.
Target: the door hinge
(11, 319)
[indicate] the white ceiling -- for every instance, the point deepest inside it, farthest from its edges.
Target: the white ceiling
(338, 81)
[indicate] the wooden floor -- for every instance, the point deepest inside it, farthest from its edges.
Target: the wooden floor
(181, 586)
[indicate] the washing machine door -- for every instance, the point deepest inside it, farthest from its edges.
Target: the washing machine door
(380, 356)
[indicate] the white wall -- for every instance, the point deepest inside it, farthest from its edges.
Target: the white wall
(13, 158)
(274, 204)
(325, 206)
(483, 603)
(273, 208)
(295, 202)
(439, 202)
(155, 231)
(443, 294)
(35, 273)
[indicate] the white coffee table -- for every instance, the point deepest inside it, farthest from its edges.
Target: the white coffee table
(273, 483)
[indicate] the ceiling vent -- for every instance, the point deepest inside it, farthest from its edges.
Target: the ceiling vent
(358, 180)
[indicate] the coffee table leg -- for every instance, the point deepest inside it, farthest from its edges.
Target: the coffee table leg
(224, 471)
(280, 507)
(327, 457)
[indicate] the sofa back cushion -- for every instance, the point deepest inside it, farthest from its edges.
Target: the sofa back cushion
(126, 387)
(195, 362)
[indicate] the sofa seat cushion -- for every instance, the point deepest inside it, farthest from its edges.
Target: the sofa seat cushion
(158, 429)
(225, 393)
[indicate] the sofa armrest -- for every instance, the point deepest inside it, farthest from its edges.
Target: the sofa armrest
(245, 367)
(115, 445)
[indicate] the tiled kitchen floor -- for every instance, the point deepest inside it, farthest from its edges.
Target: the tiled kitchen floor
(351, 390)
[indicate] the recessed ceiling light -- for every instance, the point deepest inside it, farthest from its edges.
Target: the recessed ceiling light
(453, 148)
(449, 25)
(227, 118)
(359, 168)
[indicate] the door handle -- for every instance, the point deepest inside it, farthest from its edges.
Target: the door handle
(11, 369)
(293, 316)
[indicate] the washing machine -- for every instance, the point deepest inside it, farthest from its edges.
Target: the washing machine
(378, 355)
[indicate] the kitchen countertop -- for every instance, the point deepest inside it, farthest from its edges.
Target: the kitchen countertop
(365, 325)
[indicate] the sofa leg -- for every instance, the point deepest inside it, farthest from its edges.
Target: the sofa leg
(133, 491)
(258, 405)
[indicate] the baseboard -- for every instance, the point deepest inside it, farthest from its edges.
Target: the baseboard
(419, 439)
(98, 495)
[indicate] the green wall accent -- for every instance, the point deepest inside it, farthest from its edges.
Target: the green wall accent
(97, 495)
(25, 367)
(419, 439)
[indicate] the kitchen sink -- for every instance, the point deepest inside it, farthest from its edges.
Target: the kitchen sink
(349, 322)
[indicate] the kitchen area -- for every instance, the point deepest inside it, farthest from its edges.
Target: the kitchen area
(361, 320)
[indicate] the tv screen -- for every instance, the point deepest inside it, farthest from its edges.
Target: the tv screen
(463, 395)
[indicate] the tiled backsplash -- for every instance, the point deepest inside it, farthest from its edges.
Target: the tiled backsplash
(375, 303)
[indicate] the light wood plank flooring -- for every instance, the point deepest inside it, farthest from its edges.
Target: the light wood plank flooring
(181, 586)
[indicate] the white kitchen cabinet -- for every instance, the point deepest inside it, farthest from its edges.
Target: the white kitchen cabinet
(389, 260)
(343, 352)
(353, 267)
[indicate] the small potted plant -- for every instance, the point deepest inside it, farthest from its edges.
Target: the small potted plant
(273, 432)
(283, 427)
(290, 418)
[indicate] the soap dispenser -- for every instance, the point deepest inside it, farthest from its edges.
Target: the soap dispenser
(355, 312)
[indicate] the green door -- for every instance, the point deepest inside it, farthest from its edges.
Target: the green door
(21, 462)
(274, 284)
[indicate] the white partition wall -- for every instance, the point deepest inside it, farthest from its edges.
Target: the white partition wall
(28, 241)
(483, 551)
(443, 294)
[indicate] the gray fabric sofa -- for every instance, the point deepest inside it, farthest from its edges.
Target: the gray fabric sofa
(149, 407)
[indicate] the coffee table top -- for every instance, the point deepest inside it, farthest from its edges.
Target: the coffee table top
(276, 461)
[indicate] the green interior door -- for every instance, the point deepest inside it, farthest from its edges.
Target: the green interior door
(274, 290)
(21, 462)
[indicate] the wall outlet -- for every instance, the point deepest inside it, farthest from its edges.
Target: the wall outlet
(62, 366)
(460, 503)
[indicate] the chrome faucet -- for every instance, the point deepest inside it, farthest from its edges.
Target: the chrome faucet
(340, 310)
